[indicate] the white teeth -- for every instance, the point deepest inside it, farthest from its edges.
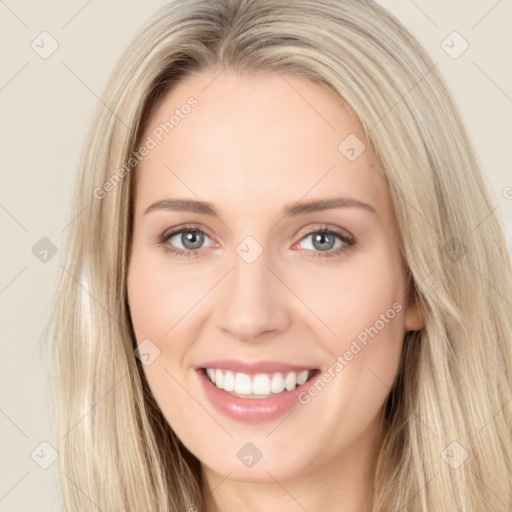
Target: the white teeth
(261, 385)
(229, 381)
(291, 381)
(302, 377)
(243, 384)
(219, 378)
(277, 383)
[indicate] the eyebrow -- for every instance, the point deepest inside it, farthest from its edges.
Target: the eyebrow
(290, 210)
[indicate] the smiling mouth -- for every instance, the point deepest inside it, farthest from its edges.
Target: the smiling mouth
(260, 385)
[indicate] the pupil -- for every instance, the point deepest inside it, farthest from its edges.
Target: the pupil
(195, 239)
(322, 238)
(192, 239)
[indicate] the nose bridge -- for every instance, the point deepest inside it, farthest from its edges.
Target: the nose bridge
(251, 301)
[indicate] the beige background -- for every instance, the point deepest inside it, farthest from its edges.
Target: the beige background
(46, 106)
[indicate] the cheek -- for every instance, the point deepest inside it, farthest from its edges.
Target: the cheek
(160, 296)
(367, 306)
(162, 303)
(364, 309)
(354, 300)
(166, 302)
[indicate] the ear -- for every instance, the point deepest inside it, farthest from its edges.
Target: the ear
(414, 318)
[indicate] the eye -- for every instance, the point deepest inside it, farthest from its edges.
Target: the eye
(326, 242)
(191, 239)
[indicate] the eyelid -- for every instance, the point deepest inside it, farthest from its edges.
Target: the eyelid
(309, 230)
(345, 236)
(185, 227)
(176, 230)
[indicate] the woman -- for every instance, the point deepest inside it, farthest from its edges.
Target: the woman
(289, 288)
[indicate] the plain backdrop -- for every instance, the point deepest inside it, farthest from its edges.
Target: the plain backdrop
(46, 107)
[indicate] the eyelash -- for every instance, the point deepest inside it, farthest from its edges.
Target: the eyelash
(347, 241)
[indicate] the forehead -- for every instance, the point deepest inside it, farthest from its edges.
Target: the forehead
(250, 136)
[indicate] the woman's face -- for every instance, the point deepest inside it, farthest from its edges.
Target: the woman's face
(230, 268)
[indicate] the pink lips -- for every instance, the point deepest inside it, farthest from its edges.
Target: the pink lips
(252, 410)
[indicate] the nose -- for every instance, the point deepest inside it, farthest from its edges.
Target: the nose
(253, 303)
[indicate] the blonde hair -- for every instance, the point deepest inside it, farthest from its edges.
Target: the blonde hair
(117, 452)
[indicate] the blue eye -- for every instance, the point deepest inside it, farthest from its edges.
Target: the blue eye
(324, 241)
(190, 237)
(323, 244)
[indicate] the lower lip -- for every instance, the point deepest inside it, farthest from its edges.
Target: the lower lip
(253, 410)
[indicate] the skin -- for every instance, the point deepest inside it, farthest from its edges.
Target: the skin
(254, 143)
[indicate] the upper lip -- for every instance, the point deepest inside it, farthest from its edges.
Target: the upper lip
(253, 367)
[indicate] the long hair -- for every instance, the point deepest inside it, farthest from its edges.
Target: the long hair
(447, 446)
